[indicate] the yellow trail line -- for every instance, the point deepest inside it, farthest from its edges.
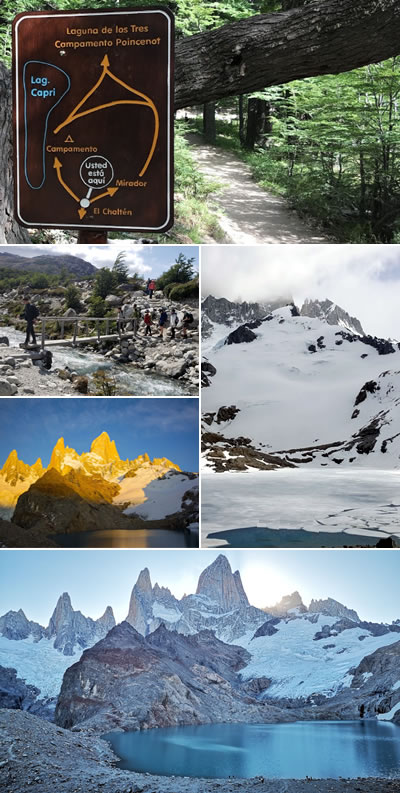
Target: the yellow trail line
(147, 101)
(89, 93)
(111, 191)
(156, 117)
(65, 186)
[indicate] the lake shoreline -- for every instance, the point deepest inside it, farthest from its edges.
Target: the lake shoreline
(85, 763)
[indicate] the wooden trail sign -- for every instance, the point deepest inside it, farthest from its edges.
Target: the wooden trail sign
(93, 119)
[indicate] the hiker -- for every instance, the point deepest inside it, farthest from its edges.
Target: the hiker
(136, 318)
(148, 322)
(146, 291)
(186, 323)
(163, 323)
(173, 321)
(127, 312)
(151, 287)
(120, 320)
(30, 313)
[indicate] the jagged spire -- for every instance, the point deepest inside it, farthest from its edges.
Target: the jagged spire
(57, 455)
(219, 584)
(105, 448)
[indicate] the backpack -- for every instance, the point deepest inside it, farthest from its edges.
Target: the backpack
(188, 317)
(35, 312)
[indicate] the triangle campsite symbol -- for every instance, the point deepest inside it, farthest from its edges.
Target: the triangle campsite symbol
(68, 139)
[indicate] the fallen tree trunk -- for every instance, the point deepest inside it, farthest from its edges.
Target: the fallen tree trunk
(10, 231)
(325, 37)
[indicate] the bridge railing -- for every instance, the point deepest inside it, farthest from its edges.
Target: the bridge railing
(85, 320)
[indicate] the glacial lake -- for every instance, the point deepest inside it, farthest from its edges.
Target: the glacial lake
(125, 538)
(323, 749)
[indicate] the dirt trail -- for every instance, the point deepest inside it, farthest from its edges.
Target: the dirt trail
(251, 216)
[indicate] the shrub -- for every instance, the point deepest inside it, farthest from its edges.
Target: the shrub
(181, 292)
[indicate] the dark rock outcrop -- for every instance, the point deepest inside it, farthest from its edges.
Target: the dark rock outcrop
(14, 693)
(207, 371)
(57, 504)
(241, 335)
(368, 388)
(165, 679)
(268, 629)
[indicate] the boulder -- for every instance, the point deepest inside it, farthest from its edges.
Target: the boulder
(6, 388)
(114, 300)
(171, 368)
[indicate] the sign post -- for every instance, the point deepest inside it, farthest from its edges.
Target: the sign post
(93, 119)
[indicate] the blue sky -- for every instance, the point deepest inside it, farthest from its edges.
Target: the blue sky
(367, 581)
(362, 279)
(146, 260)
(161, 427)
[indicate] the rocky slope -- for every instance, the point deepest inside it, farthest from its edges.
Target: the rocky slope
(331, 313)
(163, 679)
(309, 393)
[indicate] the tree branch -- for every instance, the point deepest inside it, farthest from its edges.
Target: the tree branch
(324, 37)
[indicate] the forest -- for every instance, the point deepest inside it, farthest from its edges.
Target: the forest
(306, 92)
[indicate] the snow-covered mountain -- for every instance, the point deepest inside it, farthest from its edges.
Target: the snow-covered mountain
(219, 604)
(41, 655)
(302, 391)
(102, 462)
(295, 652)
(218, 314)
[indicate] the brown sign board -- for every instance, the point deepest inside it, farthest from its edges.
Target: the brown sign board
(93, 119)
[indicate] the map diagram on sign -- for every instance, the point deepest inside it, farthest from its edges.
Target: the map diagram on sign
(96, 172)
(93, 101)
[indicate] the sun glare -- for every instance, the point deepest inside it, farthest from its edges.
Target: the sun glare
(265, 584)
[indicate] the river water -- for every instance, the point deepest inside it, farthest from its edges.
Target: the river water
(130, 381)
(320, 749)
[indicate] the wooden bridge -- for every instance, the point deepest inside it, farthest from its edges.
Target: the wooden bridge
(77, 320)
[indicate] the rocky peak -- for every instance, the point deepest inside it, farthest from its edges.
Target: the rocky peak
(143, 584)
(332, 608)
(71, 629)
(225, 312)
(141, 603)
(37, 467)
(57, 455)
(332, 314)
(286, 604)
(105, 448)
(61, 614)
(14, 468)
(15, 625)
(218, 583)
(107, 620)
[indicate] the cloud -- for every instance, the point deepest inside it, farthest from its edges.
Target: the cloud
(363, 279)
